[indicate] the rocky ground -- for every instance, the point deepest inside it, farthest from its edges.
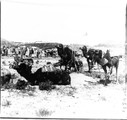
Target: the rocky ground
(84, 98)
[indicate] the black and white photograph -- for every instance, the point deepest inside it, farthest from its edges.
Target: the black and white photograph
(63, 59)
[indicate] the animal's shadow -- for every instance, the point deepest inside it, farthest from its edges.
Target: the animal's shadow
(99, 76)
(104, 82)
(93, 74)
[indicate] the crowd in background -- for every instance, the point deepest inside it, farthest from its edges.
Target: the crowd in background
(24, 51)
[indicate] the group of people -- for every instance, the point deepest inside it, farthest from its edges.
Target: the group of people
(22, 51)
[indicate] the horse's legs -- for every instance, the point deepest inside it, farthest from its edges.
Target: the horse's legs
(111, 70)
(117, 71)
(98, 67)
(105, 70)
(77, 65)
(116, 75)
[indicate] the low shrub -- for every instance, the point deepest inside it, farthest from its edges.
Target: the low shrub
(44, 112)
(47, 85)
(5, 76)
(8, 86)
(6, 103)
(21, 84)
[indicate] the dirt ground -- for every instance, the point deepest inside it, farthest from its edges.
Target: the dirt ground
(84, 98)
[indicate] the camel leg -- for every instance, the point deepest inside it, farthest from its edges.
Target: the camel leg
(65, 67)
(60, 67)
(88, 65)
(117, 74)
(76, 66)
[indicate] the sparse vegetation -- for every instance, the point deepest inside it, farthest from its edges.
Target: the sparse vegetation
(69, 91)
(64, 98)
(6, 103)
(30, 88)
(9, 86)
(45, 85)
(44, 112)
(21, 84)
(31, 94)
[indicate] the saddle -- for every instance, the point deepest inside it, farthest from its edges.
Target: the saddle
(103, 61)
(106, 58)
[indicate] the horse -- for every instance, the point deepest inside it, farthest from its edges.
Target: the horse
(110, 62)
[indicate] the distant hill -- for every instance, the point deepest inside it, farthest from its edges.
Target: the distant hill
(52, 45)
(109, 45)
(5, 42)
(42, 45)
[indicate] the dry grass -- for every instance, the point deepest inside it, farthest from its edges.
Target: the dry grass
(8, 86)
(66, 90)
(44, 112)
(6, 103)
(45, 85)
(31, 94)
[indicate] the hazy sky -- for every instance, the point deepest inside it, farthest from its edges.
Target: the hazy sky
(66, 21)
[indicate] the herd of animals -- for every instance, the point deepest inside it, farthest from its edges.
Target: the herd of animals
(92, 56)
(51, 72)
